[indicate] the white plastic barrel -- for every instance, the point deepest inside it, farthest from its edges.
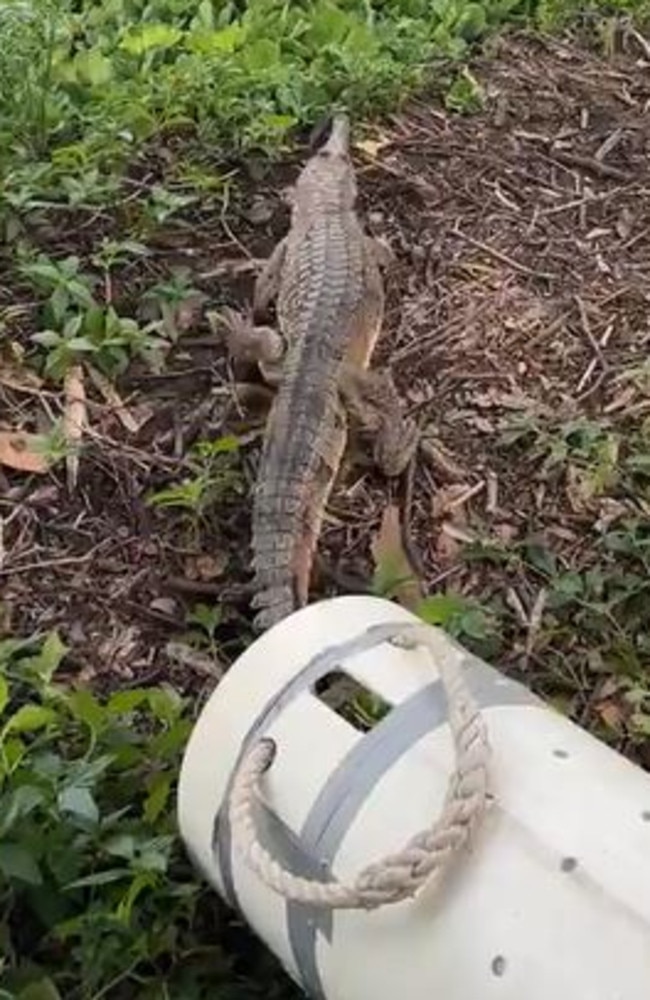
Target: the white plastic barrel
(551, 903)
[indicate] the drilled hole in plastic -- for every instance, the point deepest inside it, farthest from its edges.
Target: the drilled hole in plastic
(498, 965)
(569, 864)
(645, 815)
(560, 753)
(353, 702)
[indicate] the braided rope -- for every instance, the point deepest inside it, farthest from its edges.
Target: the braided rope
(427, 856)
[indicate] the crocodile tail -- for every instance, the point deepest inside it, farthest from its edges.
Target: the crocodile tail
(276, 520)
(275, 603)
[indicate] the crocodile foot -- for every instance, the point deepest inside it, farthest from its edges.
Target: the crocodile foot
(372, 400)
(261, 345)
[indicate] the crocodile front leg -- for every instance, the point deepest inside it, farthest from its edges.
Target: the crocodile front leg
(261, 345)
(373, 402)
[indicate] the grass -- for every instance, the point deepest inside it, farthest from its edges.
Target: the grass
(96, 897)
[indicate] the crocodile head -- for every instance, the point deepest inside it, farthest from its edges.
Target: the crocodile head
(328, 175)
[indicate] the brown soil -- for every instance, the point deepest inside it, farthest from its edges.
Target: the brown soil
(522, 238)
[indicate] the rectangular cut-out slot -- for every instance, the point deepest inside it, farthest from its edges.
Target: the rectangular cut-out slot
(351, 701)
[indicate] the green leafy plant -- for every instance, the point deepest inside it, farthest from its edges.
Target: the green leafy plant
(172, 299)
(163, 204)
(84, 787)
(465, 619)
(204, 620)
(77, 326)
(65, 285)
(96, 896)
(465, 94)
(87, 82)
(214, 476)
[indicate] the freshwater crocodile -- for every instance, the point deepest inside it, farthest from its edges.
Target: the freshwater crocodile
(325, 277)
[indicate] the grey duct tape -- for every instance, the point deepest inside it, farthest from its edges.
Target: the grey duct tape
(311, 853)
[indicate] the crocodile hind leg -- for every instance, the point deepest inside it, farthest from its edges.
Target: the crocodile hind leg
(372, 400)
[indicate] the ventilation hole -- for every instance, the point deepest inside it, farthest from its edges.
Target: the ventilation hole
(353, 702)
(560, 753)
(498, 965)
(569, 864)
(645, 815)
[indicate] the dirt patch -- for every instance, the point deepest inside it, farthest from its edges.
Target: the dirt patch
(520, 290)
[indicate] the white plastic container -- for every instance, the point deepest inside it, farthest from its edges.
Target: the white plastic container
(552, 902)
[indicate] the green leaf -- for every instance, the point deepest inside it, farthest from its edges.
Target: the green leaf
(42, 989)
(222, 446)
(87, 772)
(640, 723)
(567, 587)
(151, 861)
(204, 15)
(158, 797)
(208, 618)
(29, 718)
(94, 68)
(16, 862)
(215, 42)
(139, 41)
(4, 694)
(94, 322)
(122, 845)
(59, 302)
(278, 124)
(441, 609)
(142, 881)
(81, 344)
(49, 765)
(541, 558)
(78, 801)
(85, 707)
(474, 623)
(47, 338)
(465, 94)
(18, 804)
(329, 25)
(50, 657)
(261, 55)
(472, 22)
(100, 878)
(9, 648)
(14, 750)
(123, 702)
(165, 703)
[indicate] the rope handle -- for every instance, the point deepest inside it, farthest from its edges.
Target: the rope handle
(427, 856)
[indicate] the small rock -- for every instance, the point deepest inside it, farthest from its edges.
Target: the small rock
(261, 211)
(76, 634)
(166, 606)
